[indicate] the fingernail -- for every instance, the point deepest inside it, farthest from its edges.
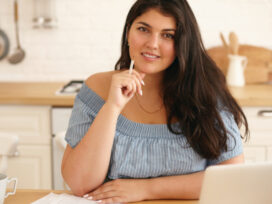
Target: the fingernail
(90, 198)
(99, 201)
(141, 92)
(142, 82)
(85, 196)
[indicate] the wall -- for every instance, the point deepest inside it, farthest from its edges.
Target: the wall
(87, 37)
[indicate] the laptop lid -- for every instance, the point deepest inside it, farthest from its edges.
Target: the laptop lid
(237, 184)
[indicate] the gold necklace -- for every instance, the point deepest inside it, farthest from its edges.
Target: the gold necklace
(149, 112)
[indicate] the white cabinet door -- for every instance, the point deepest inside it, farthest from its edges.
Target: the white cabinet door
(254, 154)
(260, 141)
(32, 125)
(32, 167)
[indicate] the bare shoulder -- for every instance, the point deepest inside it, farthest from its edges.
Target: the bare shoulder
(100, 83)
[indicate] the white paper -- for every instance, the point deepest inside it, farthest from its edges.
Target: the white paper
(64, 198)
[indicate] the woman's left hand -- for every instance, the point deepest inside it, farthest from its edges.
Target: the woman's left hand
(120, 191)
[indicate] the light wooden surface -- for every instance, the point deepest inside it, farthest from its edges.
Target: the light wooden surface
(44, 94)
(40, 93)
(253, 95)
(28, 196)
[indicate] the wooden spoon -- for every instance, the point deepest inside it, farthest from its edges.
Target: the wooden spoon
(234, 43)
(224, 41)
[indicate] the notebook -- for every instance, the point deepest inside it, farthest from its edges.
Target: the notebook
(64, 198)
(237, 184)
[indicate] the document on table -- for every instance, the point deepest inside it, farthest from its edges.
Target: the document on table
(64, 198)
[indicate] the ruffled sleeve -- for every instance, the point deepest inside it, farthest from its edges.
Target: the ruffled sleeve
(86, 106)
(234, 140)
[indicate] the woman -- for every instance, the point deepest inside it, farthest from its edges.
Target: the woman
(151, 133)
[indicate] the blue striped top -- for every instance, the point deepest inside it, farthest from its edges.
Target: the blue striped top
(145, 150)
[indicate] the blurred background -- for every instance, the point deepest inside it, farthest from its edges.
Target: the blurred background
(66, 40)
(85, 35)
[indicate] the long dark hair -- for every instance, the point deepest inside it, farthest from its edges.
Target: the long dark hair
(194, 88)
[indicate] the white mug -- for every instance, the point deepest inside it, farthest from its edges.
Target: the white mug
(4, 180)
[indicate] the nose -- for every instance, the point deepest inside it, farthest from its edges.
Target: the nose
(153, 41)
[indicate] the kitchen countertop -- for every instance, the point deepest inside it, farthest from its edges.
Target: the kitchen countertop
(34, 93)
(28, 196)
(253, 95)
(43, 93)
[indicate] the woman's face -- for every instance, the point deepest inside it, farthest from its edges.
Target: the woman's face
(151, 41)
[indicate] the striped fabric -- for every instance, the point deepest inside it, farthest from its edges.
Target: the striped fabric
(145, 150)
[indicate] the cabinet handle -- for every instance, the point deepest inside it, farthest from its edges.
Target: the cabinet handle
(265, 113)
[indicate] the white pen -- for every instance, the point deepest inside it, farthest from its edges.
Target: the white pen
(131, 66)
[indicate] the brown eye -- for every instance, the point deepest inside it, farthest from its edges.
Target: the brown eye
(168, 35)
(143, 29)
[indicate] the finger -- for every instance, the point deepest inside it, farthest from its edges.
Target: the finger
(140, 76)
(101, 189)
(135, 75)
(134, 88)
(126, 86)
(115, 200)
(128, 90)
(134, 72)
(138, 85)
(105, 195)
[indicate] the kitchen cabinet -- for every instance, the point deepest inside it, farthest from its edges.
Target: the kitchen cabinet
(32, 166)
(259, 146)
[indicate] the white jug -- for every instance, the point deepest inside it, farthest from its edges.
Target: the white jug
(235, 74)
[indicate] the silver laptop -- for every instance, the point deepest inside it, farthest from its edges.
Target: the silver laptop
(237, 184)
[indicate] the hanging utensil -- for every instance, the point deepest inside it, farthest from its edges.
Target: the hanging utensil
(19, 53)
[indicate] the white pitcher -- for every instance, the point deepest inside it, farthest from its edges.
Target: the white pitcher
(235, 74)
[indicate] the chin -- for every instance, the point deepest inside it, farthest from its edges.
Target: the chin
(150, 69)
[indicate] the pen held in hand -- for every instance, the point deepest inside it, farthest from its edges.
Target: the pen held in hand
(131, 66)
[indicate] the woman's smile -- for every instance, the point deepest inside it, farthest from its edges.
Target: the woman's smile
(150, 57)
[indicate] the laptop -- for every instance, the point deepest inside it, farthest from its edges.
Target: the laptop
(237, 184)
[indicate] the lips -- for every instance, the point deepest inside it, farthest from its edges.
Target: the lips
(150, 55)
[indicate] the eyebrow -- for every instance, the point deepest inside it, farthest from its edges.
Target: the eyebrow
(147, 25)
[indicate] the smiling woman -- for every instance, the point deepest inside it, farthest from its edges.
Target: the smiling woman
(150, 133)
(151, 41)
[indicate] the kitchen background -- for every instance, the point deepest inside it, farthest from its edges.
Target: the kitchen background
(87, 35)
(85, 39)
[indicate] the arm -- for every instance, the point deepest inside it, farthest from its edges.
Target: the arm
(85, 167)
(170, 187)
(183, 186)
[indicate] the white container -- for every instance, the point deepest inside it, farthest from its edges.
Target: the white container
(4, 180)
(235, 74)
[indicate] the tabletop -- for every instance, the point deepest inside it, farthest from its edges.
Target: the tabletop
(23, 196)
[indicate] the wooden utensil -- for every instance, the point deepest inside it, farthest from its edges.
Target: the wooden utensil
(234, 43)
(224, 42)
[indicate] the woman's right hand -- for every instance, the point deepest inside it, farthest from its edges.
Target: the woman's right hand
(123, 87)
